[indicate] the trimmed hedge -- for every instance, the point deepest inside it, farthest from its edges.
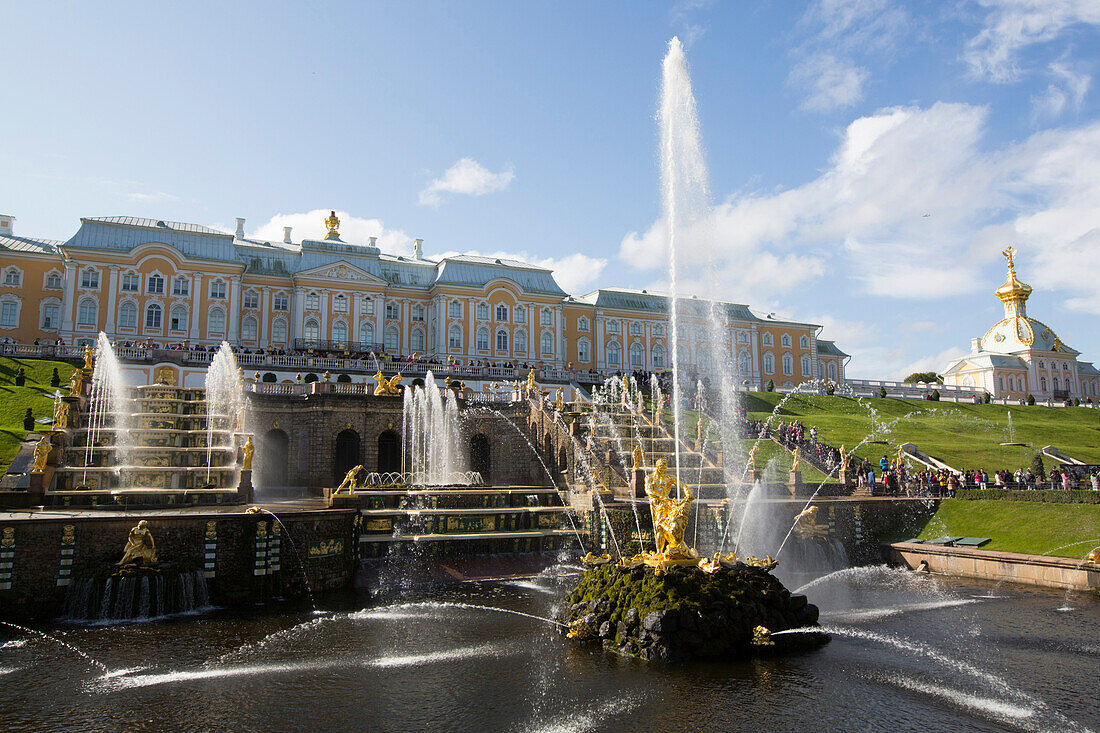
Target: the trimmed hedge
(1078, 496)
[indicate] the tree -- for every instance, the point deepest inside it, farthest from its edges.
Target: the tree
(55, 378)
(882, 392)
(770, 386)
(830, 389)
(935, 396)
(987, 398)
(1031, 399)
(923, 377)
(1037, 466)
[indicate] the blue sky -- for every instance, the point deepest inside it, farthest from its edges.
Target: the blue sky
(868, 160)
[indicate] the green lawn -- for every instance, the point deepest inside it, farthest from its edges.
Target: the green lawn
(964, 436)
(1035, 528)
(14, 401)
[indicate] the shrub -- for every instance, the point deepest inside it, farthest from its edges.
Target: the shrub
(935, 395)
(923, 377)
(770, 386)
(55, 378)
(830, 389)
(1037, 467)
(987, 398)
(1047, 496)
(882, 392)
(1031, 399)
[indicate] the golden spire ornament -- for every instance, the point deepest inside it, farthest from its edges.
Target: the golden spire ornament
(333, 224)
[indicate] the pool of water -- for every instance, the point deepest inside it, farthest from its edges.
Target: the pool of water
(909, 653)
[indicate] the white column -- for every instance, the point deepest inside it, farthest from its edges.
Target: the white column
(471, 306)
(68, 301)
(196, 300)
(112, 298)
(597, 358)
(813, 355)
(265, 316)
(234, 308)
(380, 319)
(355, 298)
(298, 315)
(324, 315)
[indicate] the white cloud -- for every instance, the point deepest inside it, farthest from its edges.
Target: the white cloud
(1012, 25)
(1068, 87)
(936, 363)
(355, 229)
(157, 197)
(831, 83)
(466, 177)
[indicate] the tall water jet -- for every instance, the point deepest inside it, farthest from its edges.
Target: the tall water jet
(110, 408)
(685, 196)
(430, 425)
(225, 402)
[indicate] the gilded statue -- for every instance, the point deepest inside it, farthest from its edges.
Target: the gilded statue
(901, 457)
(387, 387)
(140, 548)
(699, 432)
(762, 637)
(843, 458)
(767, 562)
(350, 481)
(76, 382)
(639, 457)
(670, 515)
(752, 457)
(41, 454)
(530, 382)
(247, 450)
(1010, 255)
(333, 224)
(797, 453)
(89, 358)
(559, 399)
(806, 525)
(61, 414)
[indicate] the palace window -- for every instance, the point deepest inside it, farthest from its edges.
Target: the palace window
(155, 285)
(520, 343)
(181, 286)
(767, 340)
(366, 332)
(804, 342)
(393, 311)
(130, 283)
(1001, 381)
(313, 302)
(340, 304)
(249, 329)
(482, 311)
(9, 314)
(582, 325)
(217, 289)
(89, 278)
(769, 363)
(278, 331)
(832, 370)
(1057, 384)
(584, 350)
(53, 280)
(87, 313)
(786, 340)
(659, 329)
(635, 329)
(12, 277)
(744, 363)
(416, 340)
(340, 332)
(51, 316)
(392, 341)
(547, 317)
(612, 326)
(1040, 363)
(152, 316)
(547, 344)
(742, 337)
(177, 320)
(454, 338)
(215, 322)
(281, 302)
(418, 313)
(788, 365)
(637, 356)
(502, 312)
(659, 360)
(127, 316)
(454, 309)
(520, 314)
(251, 299)
(482, 339)
(502, 340)
(614, 354)
(312, 331)
(805, 365)
(366, 306)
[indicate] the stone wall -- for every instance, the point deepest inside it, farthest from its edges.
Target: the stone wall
(967, 562)
(243, 558)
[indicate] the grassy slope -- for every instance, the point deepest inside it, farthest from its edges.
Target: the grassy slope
(1020, 526)
(14, 401)
(965, 436)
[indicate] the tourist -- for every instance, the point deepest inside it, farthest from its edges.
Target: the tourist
(1095, 478)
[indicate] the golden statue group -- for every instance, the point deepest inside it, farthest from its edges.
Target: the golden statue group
(140, 548)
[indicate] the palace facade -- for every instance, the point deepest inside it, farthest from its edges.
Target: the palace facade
(1020, 356)
(173, 283)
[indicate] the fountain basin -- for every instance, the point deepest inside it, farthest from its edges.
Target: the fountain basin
(686, 613)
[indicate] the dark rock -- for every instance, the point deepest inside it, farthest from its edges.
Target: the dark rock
(798, 602)
(607, 631)
(632, 617)
(662, 622)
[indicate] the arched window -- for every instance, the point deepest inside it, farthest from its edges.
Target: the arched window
(637, 355)
(249, 329)
(582, 324)
(178, 319)
(769, 363)
(392, 340)
(744, 362)
(130, 282)
(1043, 384)
(805, 365)
(278, 331)
(614, 354)
(482, 311)
(1057, 384)
(89, 278)
(454, 337)
(635, 328)
(767, 339)
(547, 344)
(483, 339)
(418, 313)
(659, 329)
(612, 326)
(520, 343)
(832, 370)
(416, 340)
(155, 285)
(502, 338)
(502, 312)
(181, 286)
(520, 314)
(742, 337)
(340, 304)
(87, 313)
(366, 332)
(786, 340)
(788, 365)
(217, 289)
(454, 309)
(804, 342)
(251, 299)
(547, 318)
(153, 315)
(53, 280)
(340, 332)
(313, 302)
(584, 351)
(659, 357)
(215, 322)
(312, 331)
(127, 316)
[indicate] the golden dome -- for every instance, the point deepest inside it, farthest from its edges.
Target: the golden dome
(1013, 289)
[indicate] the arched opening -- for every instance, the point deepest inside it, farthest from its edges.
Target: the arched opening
(548, 450)
(311, 377)
(563, 460)
(418, 382)
(273, 451)
(270, 377)
(343, 378)
(389, 452)
(347, 454)
(481, 457)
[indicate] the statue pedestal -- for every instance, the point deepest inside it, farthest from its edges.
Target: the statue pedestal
(845, 477)
(637, 483)
(753, 475)
(244, 488)
(795, 483)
